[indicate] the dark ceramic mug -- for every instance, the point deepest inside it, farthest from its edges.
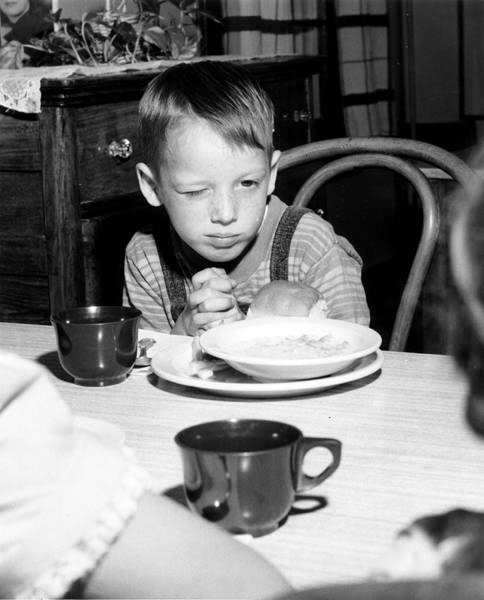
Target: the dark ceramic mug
(97, 345)
(244, 474)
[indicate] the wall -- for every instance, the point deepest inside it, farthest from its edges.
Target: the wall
(436, 61)
(75, 8)
(434, 78)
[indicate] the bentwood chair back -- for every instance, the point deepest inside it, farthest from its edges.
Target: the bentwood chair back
(402, 156)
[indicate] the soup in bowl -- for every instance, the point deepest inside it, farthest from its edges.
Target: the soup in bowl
(289, 348)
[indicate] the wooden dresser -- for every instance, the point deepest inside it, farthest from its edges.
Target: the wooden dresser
(69, 195)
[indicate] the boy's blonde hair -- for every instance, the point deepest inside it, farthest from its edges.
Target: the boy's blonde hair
(223, 94)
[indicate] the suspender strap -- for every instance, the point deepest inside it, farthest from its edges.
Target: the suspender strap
(282, 241)
(174, 281)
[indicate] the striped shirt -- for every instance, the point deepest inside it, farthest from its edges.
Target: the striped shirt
(316, 256)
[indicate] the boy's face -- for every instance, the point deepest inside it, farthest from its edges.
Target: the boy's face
(214, 193)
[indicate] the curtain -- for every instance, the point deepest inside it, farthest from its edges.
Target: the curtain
(277, 27)
(362, 31)
(271, 27)
(473, 23)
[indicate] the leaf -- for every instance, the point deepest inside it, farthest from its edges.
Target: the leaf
(208, 15)
(177, 37)
(123, 34)
(157, 37)
(192, 33)
(174, 50)
(188, 51)
(139, 28)
(171, 12)
(190, 7)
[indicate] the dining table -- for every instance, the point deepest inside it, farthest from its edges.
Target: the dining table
(406, 449)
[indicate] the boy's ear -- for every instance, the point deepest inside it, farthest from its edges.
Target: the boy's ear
(147, 184)
(276, 155)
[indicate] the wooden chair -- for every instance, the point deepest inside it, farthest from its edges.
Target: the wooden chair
(346, 154)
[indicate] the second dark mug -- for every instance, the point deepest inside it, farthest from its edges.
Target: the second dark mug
(244, 474)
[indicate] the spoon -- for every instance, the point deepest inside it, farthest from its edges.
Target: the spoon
(143, 360)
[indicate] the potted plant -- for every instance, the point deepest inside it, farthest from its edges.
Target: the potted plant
(158, 29)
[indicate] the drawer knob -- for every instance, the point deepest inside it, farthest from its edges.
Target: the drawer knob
(304, 116)
(122, 149)
(301, 116)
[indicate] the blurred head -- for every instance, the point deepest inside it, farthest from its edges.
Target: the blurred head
(206, 129)
(14, 9)
(467, 260)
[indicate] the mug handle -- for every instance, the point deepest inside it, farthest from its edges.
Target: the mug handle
(306, 482)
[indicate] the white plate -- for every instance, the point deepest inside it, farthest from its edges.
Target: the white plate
(162, 340)
(288, 348)
(173, 365)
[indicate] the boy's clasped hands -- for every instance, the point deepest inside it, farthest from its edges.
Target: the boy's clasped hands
(211, 302)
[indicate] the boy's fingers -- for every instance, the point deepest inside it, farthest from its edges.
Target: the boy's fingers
(219, 284)
(206, 293)
(208, 320)
(203, 319)
(203, 276)
(216, 304)
(227, 319)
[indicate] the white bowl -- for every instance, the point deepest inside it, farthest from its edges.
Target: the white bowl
(289, 348)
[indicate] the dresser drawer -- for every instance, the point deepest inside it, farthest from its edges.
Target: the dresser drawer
(102, 175)
(22, 235)
(19, 142)
(21, 203)
(24, 299)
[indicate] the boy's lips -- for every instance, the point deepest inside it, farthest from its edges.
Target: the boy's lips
(223, 240)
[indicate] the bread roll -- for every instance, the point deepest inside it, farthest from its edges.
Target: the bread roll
(287, 299)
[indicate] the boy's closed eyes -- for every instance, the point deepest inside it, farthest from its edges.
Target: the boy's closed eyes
(247, 184)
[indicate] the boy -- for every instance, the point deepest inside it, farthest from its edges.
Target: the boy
(206, 128)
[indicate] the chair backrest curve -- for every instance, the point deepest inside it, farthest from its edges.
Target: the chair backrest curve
(389, 153)
(416, 150)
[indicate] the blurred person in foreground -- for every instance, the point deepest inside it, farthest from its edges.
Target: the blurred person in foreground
(79, 517)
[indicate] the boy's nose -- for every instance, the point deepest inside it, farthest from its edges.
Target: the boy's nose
(224, 209)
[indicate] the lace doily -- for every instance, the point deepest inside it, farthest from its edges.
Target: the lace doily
(22, 95)
(20, 88)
